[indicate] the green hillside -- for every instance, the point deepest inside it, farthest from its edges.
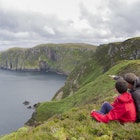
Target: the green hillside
(72, 114)
(105, 57)
(67, 116)
(61, 58)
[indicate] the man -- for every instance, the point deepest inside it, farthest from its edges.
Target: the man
(134, 86)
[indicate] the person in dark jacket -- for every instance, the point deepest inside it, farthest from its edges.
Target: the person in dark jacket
(134, 86)
(122, 109)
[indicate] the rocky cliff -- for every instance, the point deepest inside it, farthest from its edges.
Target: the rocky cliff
(70, 116)
(104, 58)
(107, 55)
(61, 58)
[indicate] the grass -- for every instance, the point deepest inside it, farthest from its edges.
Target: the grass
(95, 91)
(69, 118)
(77, 125)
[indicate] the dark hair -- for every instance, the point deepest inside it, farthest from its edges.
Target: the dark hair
(121, 86)
(130, 78)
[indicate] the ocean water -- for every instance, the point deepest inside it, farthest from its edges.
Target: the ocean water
(17, 87)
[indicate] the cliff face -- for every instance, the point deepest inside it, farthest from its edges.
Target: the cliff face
(104, 58)
(61, 58)
(85, 84)
(109, 54)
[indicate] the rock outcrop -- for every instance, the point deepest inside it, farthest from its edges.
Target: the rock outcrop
(108, 54)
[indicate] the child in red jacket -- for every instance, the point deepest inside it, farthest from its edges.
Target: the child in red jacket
(123, 109)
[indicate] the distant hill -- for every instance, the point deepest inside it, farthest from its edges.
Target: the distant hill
(61, 58)
(67, 116)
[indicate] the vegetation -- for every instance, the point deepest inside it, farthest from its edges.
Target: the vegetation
(60, 58)
(67, 116)
(71, 116)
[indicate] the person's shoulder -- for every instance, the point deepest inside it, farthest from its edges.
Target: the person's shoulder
(137, 89)
(136, 92)
(137, 82)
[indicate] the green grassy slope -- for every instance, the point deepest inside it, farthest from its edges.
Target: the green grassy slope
(72, 114)
(104, 57)
(81, 75)
(100, 87)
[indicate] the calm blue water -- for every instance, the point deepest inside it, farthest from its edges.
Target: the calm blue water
(16, 87)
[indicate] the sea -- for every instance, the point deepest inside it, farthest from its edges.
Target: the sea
(17, 87)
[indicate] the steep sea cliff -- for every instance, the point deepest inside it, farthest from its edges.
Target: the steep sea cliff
(60, 58)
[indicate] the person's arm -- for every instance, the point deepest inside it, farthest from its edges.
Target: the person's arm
(136, 97)
(115, 77)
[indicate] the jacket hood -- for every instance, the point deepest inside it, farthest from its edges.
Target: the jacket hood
(125, 97)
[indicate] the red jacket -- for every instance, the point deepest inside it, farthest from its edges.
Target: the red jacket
(124, 110)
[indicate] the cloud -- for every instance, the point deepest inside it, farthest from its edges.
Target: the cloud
(17, 25)
(98, 22)
(124, 18)
(25, 28)
(113, 20)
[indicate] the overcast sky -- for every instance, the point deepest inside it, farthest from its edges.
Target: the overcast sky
(27, 23)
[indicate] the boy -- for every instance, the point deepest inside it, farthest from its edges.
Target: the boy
(123, 109)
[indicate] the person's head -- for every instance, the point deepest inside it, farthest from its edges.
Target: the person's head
(121, 86)
(130, 78)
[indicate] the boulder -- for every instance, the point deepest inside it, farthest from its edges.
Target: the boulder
(26, 102)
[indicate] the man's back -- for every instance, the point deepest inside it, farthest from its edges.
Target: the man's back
(136, 97)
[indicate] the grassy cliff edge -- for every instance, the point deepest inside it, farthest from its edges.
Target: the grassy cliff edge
(67, 117)
(73, 122)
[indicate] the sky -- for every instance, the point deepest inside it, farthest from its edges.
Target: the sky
(27, 23)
